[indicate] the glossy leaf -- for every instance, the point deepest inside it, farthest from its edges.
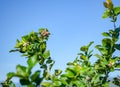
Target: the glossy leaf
(106, 14)
(32, 61)
(46, 54)
(117, 10)
(69, 74)
(21, 70)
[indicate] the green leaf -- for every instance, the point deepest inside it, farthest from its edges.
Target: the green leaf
(90, 44)
(58, 72)
(32, 61)
(111, 31)
(44, 66)
(46, 54)
(21, 70)
(18, 44)
(106, 42)
(69, 73)
(106, 14)
(107, 84)
(25, 38)
(117, 46)
(84, 48)
(14, 50)
(45, 84)
(117, 30)
(83, 57)
(49, 61)
(11, 84)
(24, 82)
(46, 74)
(116, 81)
(117, 10)
(57, 84)
(51, 65)
(35, 76)
(10, 75)
(96, 78)
(98, 56)
(106, 34)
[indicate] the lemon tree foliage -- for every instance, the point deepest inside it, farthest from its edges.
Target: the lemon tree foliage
(79, 73)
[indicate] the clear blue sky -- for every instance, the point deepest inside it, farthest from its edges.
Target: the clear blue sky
(72, 23)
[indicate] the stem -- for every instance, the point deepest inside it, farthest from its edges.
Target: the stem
(114, 25)
(114, 20)
(107, 72)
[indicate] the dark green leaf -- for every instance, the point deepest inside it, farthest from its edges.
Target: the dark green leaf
(35, 76)
(49, 61)
(51, 65)
(44, 66)
(14, 50)
(117, 46)
(58, 72)
(117, 30)
(24, 82)
(84, 48)
(46, 74)
(106, 42)
(116, 81)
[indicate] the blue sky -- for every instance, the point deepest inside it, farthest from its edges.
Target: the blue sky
(72, 23)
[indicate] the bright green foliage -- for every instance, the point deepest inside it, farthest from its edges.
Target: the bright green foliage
(79, 73)
(32, 46)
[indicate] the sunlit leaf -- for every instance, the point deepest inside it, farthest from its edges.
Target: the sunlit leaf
(10, 75)
(45, 84)
(106, 34)
(32, 61)
(21, 70)
(46, 54)
(106, 14)
(117, 10)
